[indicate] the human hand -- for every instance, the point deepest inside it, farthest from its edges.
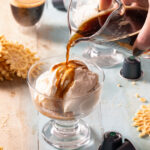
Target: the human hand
(104, 4)
(143, 40)
(142, 3)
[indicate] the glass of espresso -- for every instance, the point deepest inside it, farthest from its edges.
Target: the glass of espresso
(27, 12)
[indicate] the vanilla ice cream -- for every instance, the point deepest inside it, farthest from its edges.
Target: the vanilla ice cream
(80, 97)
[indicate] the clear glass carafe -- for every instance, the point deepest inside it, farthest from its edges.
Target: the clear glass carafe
(120, 22)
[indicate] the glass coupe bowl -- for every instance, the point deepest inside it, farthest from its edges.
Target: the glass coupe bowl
(65, 130)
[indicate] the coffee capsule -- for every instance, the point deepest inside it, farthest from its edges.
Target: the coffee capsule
(127, 145)
(112, 141)
(59, 4)
(131, 68)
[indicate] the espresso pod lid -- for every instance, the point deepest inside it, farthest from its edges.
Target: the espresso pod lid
(112, 140)
(59, 4)
(127, 145)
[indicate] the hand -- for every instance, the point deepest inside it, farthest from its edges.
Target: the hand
(142, 3)
(104, 4)
(143, 40)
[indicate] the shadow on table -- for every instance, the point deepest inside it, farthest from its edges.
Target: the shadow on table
(58, 34)
(94, 144)
(17, 82)
(146, 70)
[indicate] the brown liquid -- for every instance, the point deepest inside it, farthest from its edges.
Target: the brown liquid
(135, 17)
(65, 76)
(87, 29)
(56, 112)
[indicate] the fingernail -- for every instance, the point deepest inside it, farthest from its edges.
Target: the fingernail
(137, 52)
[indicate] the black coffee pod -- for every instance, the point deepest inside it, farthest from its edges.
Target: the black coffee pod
(59, 4)
(112, 141)
(127, 145)
(131, 68)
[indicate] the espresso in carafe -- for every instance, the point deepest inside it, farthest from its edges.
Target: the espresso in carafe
(131, 21)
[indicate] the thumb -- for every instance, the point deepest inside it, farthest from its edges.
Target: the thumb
(104, 4)
(143, 40)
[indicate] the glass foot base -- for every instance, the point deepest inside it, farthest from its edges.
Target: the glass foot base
(66, 135)
(104, 60)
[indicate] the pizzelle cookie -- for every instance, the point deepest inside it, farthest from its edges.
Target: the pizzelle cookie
(142, 120)
(2, 39)
(5, 72)
(15, 59)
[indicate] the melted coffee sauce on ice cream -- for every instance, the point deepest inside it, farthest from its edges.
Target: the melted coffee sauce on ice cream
(65, 76)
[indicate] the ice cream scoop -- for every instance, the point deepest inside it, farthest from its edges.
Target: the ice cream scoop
(70, 85)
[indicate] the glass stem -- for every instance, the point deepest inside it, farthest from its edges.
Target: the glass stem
(66, 127)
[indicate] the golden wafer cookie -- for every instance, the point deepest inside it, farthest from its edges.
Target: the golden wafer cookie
(2, 59)
(1, 148)
(5, 72)
(2, 38)
(17, 57)
(142, 120)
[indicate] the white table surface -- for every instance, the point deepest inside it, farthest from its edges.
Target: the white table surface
(23, 124)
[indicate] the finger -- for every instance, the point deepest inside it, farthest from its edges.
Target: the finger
(104, 4)
(143, 40)
(142, 3)
(128, 2)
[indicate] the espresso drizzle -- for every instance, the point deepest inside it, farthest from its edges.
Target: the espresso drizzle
(65, 76)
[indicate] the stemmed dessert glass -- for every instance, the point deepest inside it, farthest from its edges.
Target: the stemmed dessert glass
(119, 24)
(65, 130)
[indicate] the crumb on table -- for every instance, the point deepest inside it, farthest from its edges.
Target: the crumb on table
(142, 99)
(119, 85)
(137, 95)
(133, 83)
(119, 105)
(13, 93)
(4, 121)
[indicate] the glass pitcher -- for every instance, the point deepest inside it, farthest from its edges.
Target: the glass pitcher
(118, 22)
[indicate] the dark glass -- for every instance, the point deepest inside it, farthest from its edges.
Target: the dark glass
(27, 16)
